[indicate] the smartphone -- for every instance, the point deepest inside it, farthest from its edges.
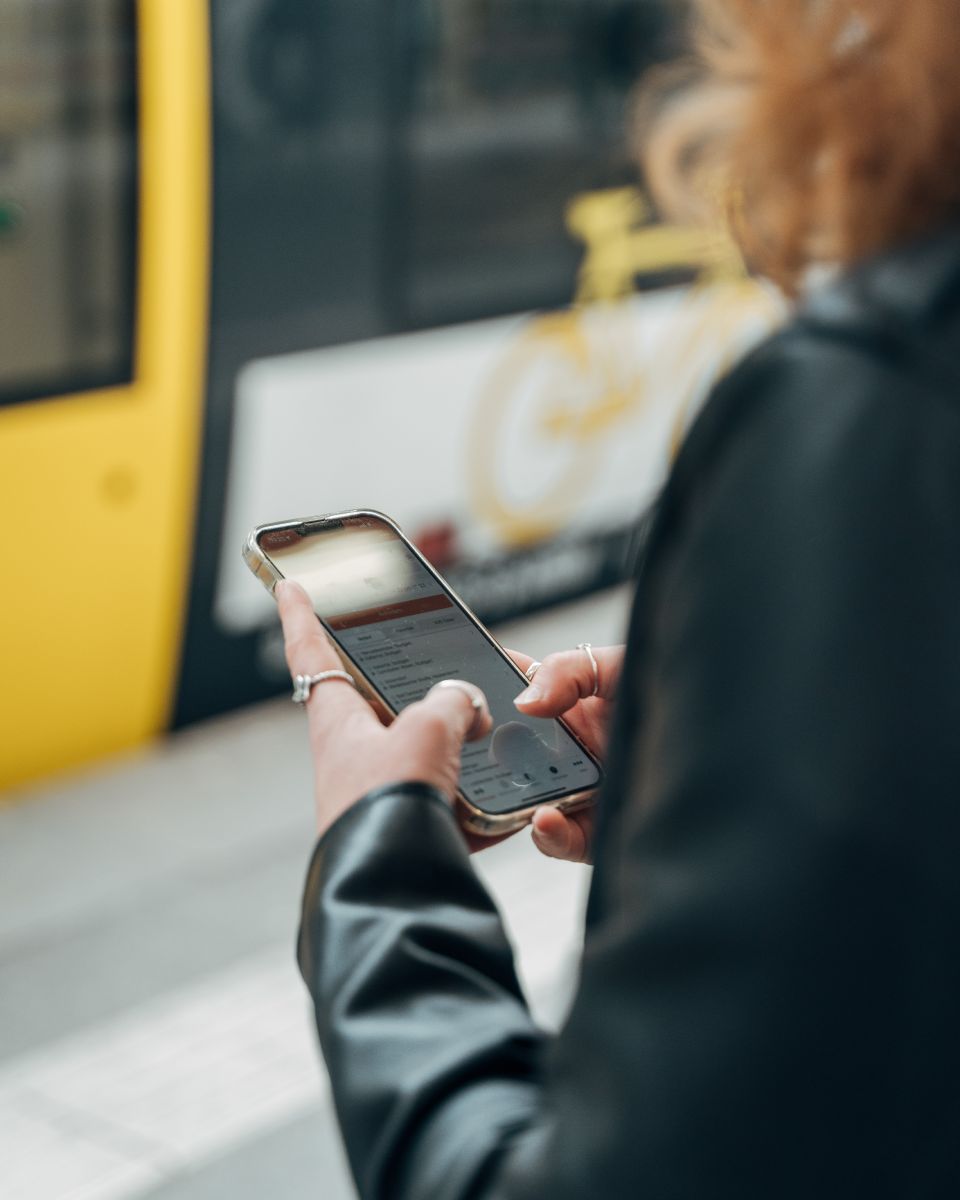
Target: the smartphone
(399, 629)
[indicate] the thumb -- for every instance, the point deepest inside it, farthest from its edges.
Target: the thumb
(452, 708)
(558, 836)
(565, 678)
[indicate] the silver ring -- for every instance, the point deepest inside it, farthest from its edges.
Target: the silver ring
(303, 684)
(532, 670)
(469, 690)
(588, 651)
(464, 687)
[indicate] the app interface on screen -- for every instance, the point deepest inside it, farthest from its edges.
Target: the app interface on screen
(395, 621)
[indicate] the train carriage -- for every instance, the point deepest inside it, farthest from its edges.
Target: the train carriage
(262, 258)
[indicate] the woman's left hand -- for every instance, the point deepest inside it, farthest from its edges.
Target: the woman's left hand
(353, 752)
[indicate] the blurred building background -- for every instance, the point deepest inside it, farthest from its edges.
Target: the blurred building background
(262, 259)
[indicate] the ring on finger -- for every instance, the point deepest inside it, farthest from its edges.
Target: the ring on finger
(532, 670)
(474, 695)
(304, 684)
(588, 651)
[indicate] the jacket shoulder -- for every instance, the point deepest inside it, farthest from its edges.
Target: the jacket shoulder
(824, 411)
(886, 327)
(822, 380)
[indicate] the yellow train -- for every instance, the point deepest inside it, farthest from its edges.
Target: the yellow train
(264, 257)
(105, 191)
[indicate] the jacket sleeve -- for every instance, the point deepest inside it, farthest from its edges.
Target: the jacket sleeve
(775, 883)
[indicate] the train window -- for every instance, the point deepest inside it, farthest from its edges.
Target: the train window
(513, 107)
(67, 195)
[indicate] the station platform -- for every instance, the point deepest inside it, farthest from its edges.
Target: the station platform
(156, 1041)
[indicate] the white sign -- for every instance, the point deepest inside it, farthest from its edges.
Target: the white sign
(504, 432)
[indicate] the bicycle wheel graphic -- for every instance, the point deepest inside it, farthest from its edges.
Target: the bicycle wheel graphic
(726, 320)
(541, 428)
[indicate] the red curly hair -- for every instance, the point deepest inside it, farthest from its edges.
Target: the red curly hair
(834, 124)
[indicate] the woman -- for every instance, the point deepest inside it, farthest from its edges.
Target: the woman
(771, 980)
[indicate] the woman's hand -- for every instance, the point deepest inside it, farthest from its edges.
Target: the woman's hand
(563, 687)
(353, 752)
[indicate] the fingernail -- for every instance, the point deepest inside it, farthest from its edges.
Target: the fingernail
(530, 696)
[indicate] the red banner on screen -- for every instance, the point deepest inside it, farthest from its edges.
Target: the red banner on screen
(388, 612)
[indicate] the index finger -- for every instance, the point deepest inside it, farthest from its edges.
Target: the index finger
(308, 651)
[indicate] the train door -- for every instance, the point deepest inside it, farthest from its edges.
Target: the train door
(104, 183)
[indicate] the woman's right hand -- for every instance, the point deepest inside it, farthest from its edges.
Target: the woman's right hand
(563, 687)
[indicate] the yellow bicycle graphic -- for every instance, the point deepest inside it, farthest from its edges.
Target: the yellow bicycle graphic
(572, 382)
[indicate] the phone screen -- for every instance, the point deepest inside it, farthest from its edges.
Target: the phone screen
(394, 618)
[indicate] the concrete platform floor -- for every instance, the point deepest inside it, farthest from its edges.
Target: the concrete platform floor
(155, 1038)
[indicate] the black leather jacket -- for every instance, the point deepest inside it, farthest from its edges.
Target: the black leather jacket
(770, 994)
